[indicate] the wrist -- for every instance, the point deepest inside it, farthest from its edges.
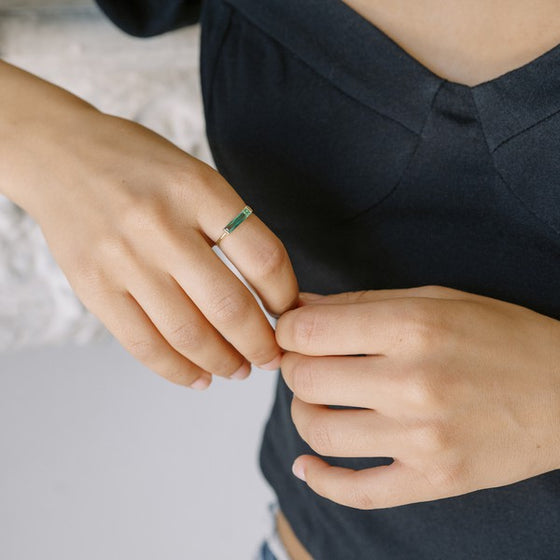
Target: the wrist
(38, 152)
(37, 122)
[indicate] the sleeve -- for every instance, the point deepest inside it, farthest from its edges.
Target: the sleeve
(146, 18)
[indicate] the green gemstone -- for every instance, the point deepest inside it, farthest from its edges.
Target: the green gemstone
(239, 219)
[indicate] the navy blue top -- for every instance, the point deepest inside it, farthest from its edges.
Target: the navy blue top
(316, 117)
(144, 18)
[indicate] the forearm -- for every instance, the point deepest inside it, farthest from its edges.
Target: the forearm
(38, 121)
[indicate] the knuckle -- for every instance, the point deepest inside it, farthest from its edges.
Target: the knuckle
(133, 214)
(89, 280)
(206, 180)
(231, 309)
(359, 498)
(432, 436)
(319, 437)
(304, 380)
(176, 177)
(421, 337)
(187, 336)
(145, 350)
(110, 249)
(270, 260)
(423, 326)
(356, 297)
(423, 391)
(436, 291)
(449, 476)
(306, 327)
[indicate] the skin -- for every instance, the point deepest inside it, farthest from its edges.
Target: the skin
(130, 219)
(462, 390)
(467, 42)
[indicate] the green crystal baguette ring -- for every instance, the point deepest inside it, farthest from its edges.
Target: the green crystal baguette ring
(236, 222)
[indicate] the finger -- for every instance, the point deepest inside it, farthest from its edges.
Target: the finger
(256, 252)
(223, 299)
(183, 325)
(133, 329)
(263, 261)
(365, 296)
(326, 330)
(348, 433)
(361, 381)
(366, 328)
(367, 489)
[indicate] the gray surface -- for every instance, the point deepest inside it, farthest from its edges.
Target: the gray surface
(102, 459)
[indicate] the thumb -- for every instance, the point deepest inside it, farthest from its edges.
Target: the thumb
(307, 298)
(369, 296)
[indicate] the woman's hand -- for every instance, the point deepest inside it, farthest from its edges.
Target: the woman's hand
(462, 390)
(131, 220)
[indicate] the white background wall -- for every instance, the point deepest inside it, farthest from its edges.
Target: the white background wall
(99, 457)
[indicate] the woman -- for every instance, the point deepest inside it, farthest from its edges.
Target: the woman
(405, 154)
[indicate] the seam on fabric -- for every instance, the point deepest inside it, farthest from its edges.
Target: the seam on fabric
(515, 134)
(524, 204)
(519, 199)
(317, 72)
(406, 168)
(482, 128)
(502, 92)
(525, 130)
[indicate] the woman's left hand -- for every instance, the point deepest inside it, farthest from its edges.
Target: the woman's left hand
(462, 390)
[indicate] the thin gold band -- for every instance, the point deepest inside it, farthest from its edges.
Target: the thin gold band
(236, 222)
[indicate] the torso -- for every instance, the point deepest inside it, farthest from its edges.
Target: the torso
(291, 543)
(463, 42)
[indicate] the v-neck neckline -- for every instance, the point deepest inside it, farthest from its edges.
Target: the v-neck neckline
(552, 52)
(361, 60)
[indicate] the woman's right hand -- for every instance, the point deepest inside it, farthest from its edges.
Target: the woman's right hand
(131, 219)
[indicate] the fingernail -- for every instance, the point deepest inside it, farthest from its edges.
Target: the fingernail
(201, 383)
(243, 372)
(308, 297)
(297, 469)
(273, 364)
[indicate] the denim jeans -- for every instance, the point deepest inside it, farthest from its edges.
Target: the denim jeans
(271, 547)
(265, 552)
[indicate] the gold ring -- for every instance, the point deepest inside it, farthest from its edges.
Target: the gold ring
(236, 222)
